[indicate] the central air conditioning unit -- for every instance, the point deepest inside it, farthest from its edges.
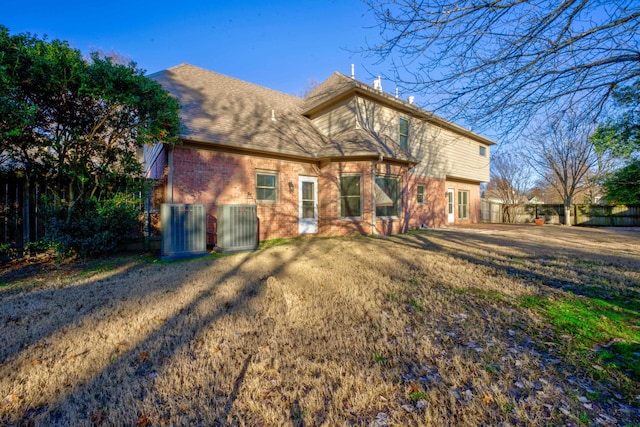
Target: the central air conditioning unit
(184, 230)
(237, 228)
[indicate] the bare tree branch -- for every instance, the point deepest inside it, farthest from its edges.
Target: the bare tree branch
(508, 61)
(561, 152)
(510, 180)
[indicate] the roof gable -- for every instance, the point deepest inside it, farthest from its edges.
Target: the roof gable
(338, 87)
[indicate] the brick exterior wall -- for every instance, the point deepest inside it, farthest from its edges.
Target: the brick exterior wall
(214, 178)
(432, 212)
(474, 200)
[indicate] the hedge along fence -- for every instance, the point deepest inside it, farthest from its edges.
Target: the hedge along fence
(22, 223)
(588, 215)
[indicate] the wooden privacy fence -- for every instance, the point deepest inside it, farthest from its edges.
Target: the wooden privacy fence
(588, 215)
(19, 219)
(613, 216)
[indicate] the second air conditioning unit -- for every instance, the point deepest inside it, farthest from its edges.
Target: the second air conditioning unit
(237, 227)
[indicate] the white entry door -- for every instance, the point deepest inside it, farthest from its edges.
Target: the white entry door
(308, 204)
(450, 206)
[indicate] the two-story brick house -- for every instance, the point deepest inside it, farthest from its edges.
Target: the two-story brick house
(346, 159)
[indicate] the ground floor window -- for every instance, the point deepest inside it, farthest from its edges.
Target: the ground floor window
(463, 204)
(350, 196)
(266, 186)
(387, 196)
(420, 194)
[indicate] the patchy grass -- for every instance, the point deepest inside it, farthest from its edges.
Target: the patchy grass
(600, 336)
(431, 328)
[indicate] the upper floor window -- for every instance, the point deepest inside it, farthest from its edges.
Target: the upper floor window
(267, 186)
(483, 150)
(387, 196)
(404, 133)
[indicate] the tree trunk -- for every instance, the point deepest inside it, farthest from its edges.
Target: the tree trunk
(567, 215)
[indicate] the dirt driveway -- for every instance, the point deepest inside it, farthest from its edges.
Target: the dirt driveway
(616, 241)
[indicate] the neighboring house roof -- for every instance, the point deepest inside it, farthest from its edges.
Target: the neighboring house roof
(535, 201)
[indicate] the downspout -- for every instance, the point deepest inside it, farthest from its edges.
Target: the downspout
(373, 193)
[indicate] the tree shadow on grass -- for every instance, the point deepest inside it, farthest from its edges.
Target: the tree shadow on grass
(29, 317)
(537, 264)
(532, 268)
(138, 366)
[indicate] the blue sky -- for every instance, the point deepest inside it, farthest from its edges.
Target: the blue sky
(282, 45)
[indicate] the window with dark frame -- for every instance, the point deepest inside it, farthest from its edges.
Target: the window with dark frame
(463, 204)
(420, 194)
(483, 150)
(350, 196)
(404, 133)
(267, 187)
(387, 196)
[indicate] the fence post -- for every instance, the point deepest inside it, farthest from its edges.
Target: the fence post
(26, 207)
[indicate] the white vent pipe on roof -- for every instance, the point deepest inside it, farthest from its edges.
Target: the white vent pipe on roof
(411, 99)
(377, 84)
(353, 71)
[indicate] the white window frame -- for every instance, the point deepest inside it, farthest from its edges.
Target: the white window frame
(275, 187)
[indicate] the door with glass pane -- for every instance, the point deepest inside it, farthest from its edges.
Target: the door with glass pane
(308, 204)
(450, 206)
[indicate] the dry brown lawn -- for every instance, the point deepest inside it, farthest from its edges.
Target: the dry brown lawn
(431, 328)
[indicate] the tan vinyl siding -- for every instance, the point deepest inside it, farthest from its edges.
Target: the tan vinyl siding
(429, 147)
(441, 152)
(464, 160)
(377, 118)
(340, 118)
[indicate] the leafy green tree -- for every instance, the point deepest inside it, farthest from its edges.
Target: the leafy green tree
(77, 123)
(621, 135)
(623, 185)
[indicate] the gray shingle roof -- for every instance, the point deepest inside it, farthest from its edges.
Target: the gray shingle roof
(360, 142)
(225, 111)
